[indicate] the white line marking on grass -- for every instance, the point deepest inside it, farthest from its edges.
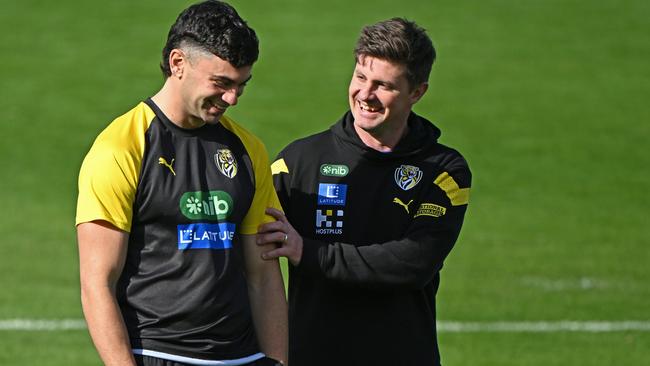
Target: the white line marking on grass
(566, 284)
(42, 324)
(443, 326)
(544, 326)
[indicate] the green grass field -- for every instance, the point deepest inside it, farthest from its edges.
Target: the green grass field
(545, 98)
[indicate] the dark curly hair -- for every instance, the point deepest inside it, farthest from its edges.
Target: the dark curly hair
(401, 41)
(215, 27)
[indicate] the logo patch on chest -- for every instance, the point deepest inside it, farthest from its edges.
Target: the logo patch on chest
(213, 205)
(430, 209)
(405, 205)
(329, 222)
(206, 236)
(226, 162)
(334, 170)
(407, 176)
(330, 194)
(162, 161)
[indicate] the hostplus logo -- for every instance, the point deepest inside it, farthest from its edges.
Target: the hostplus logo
(329, 222)
(212, 205)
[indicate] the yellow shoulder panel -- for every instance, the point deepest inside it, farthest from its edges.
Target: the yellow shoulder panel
(279, 166)
(109, 173)
(265, 195)
(458, 196)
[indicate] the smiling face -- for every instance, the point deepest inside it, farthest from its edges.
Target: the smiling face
(211, 85)
(208, 85)
(381, 99)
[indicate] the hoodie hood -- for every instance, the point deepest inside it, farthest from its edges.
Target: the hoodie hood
(422, 135)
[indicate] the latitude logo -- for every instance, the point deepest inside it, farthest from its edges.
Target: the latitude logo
(332, 194)
(212, 205)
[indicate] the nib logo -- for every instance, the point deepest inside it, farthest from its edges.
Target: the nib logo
(333, 170)
(213, 205)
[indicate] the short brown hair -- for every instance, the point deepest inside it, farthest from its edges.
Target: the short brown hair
(401, 41)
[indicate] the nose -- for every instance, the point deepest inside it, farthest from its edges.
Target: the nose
(230, 96)
(365, 92)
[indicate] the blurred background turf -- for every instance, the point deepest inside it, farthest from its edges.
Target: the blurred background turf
(547, 100)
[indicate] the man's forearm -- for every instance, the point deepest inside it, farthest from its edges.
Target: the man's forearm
(106, 326)
(269, 310)
(102, 252)
(268, 300)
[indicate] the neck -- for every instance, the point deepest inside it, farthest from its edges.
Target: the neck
(383, 140)
(172, 106)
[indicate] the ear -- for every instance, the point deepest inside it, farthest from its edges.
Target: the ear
(177, 62)
(418, 92)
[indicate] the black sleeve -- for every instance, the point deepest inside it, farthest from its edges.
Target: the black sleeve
(408, 262)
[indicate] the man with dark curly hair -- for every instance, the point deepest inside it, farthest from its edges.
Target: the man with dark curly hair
(170, 198)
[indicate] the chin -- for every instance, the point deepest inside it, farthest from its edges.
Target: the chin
(212, 118)
(366, 123)
(370, 128)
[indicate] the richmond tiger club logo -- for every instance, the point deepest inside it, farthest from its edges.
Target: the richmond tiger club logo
(226, 163)
(407, 176)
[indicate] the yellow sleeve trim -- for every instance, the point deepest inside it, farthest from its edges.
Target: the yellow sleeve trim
(108, 178)
(279, 166)
(265, 195)
(458, 196)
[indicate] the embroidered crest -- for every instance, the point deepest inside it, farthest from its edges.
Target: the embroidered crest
(226, 162)
(407, 176)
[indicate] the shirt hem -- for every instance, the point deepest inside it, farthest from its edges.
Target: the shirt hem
(198, 361)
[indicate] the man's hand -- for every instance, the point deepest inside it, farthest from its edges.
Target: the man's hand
(283, 234)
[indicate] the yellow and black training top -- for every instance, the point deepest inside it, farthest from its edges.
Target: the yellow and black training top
(184, 196)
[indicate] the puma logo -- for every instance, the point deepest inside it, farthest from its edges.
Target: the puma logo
(164, 162)
(405, 205)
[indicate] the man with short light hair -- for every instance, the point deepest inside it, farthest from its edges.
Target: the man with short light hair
(373, 207)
